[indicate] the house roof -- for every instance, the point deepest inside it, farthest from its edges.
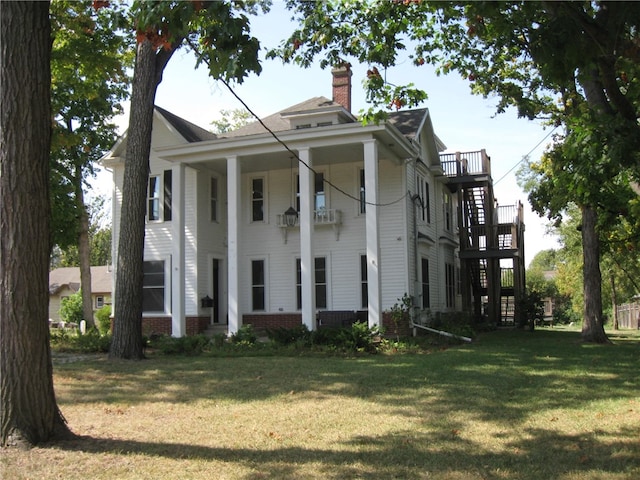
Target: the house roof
(278, 122)
(190, 131)
(70, 277)
(410, 122)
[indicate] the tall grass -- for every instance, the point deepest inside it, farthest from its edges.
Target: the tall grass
(512, 405)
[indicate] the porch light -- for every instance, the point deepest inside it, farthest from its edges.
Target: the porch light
(290, 217)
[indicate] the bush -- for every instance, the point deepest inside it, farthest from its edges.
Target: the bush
(103, 320)
(289, 336)
(73, 342)
(71, 308)
(245, 335)
(189, 345)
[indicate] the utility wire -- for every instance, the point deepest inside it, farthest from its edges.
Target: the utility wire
(526, 156)
(285, 146)
(295, 155)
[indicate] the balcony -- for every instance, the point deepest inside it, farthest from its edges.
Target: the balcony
(321, 217)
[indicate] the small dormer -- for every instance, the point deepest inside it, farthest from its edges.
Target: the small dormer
(316, 112)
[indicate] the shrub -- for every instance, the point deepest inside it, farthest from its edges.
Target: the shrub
(103, 320)
(245, 335)
(73, 342)
(71, 308)
(289, 336)
(189, 345)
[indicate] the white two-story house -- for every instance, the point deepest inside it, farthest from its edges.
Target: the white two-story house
(306, 217)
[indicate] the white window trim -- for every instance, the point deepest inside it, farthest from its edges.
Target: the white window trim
(217, 198)
(167, 286)
(266, 284)
(265, 196)
(159, 198)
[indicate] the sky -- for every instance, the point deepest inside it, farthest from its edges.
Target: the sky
(463, 121)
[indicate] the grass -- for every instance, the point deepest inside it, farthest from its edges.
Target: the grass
(511, 405)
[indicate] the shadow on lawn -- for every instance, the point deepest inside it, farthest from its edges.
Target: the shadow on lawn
(407, 455)
(504, 376)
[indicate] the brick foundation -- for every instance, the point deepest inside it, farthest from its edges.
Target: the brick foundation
(261, 322)
(162, 325)
(404, 326)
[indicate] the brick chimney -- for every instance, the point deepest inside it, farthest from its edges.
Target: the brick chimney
(342, 85)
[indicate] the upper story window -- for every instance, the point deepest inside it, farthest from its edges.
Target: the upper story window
(447, 206)
(362, 193)
(159, 196)
(319, 194)
(257, 200)
(213, 196)
(423, 192)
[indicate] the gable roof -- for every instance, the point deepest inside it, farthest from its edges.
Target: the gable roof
(410, 122)
(70, 277)
(190, 131)
(278, 122)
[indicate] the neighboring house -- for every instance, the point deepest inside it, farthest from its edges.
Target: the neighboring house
(240, 231)
(64, 282)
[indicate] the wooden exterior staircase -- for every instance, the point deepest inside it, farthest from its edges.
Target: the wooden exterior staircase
(491, 241)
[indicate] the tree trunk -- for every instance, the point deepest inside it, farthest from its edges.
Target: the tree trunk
(127, 325)
(614, 301)
(28, 410)
(84, 252)
(592, 323)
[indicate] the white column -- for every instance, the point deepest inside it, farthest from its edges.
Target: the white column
(372, 232)
(178, 321)
(233, 233)
(306, 240)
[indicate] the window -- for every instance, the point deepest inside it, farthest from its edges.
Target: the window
(423, 192)
(320, 200)
(364, 284)
(153, 287)
(321, 282)
(213, 195)
(363, 198)
(153, 199)
(424, 282)
(448, 211)
(160, 194)
(99, 301)
(450, 284)
(257, 285)
(257, 200)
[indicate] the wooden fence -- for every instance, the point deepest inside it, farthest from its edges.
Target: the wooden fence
(628, 315)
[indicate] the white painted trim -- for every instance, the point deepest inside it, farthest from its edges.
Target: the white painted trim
(306, 240)
(233, 211)
(374, 277)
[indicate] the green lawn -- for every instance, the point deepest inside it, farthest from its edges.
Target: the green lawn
(511, 405)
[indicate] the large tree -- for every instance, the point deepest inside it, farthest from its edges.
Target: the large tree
(219, 33)
(28, 410)
(563, 61)
(89, 61)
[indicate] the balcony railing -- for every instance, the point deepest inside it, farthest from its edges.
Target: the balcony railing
(465, 163)
(322, 216)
